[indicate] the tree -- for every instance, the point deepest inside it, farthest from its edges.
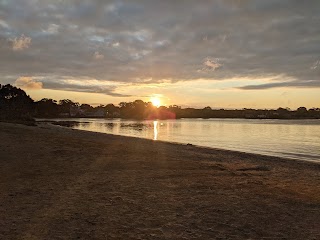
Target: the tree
(47, 107)
(176, 110)
(206, 112)
(314, 112)
(111, 110)
(283, 112)
(139, 107)
(66, 105)
(86, 107)
(302, 112)
(15, 103)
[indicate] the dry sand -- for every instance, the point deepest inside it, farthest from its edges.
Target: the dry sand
(59, 183)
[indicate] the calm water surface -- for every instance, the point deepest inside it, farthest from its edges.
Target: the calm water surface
(298, 139)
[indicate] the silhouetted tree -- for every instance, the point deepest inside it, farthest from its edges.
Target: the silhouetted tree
(15, 103)
(66, 105)
(206, 112)
(86, 107)
(314, 112)
(136, 109)
(47, 107)
(301, 112)
(112, 110)
(176, 110)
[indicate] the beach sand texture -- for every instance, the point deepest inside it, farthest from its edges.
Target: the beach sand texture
(59, 183)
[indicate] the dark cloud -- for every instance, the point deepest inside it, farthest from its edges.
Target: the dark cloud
(297, 84)
(132, 40)
(107, 90)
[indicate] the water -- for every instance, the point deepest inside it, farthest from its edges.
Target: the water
(297, 139)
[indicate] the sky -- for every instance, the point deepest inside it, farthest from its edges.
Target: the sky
(218, 53)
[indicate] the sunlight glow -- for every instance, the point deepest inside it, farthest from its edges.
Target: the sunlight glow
(155, 101)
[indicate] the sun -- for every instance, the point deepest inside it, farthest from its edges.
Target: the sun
(155, 101)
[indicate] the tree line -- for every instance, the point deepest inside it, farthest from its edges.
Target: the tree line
(16, 104)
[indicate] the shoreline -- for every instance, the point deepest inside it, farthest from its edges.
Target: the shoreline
(57, 182)
(153, 119)
(69, 124)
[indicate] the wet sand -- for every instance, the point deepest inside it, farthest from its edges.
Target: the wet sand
(59, 183)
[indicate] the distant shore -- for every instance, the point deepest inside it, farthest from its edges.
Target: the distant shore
(57, 182)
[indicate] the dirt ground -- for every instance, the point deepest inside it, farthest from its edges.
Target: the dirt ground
(59, 183)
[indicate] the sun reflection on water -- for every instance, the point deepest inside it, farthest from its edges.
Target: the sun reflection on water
(155, 130)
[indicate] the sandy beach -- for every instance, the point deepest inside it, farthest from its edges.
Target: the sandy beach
(59, 183)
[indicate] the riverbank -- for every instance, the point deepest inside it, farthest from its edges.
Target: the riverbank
(62, 183)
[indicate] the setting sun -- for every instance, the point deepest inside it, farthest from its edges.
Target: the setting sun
(155, 101)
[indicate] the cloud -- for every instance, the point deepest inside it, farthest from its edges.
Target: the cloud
(290, 84)
(3, 24)
(28, 83)
(52, 29)
(98, 56)
(21, 43)
(77, 85)
(116, 44)
(211, 64)
(88, 88)
(149, 39)
(315, 65)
